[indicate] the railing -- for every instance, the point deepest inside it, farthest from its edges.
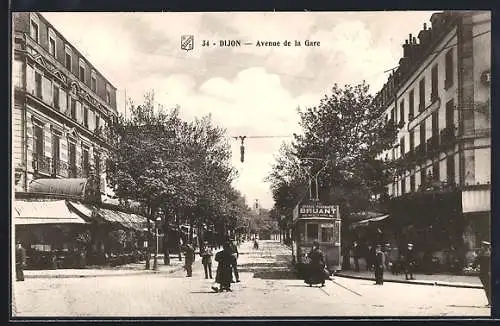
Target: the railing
(433, 144)
(448, 136)
(60, 168)
(41, 163)
(420, 152)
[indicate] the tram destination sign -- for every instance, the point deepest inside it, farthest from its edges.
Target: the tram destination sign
(330, 211)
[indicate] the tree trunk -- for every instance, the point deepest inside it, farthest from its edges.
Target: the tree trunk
(166, 251)
(148, 237)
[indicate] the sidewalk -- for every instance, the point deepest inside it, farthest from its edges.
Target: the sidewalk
(422, 279)
(123, 270)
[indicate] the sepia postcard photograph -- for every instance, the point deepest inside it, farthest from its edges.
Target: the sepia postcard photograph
(251, 164)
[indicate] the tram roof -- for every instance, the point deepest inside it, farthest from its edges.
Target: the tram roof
(315, 219)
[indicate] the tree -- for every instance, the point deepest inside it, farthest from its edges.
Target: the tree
(346, 131)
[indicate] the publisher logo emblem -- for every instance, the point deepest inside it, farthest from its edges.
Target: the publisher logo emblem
(187, 42)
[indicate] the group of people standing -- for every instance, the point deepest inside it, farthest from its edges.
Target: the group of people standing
(227, 264)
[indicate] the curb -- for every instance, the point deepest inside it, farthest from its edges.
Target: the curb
(145, 272)
(433, 283)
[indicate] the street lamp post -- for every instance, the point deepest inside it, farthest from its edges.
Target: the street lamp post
(155, 260)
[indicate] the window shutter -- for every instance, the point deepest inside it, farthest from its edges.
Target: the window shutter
(63, 99)
(91, 120)
(47, 135)
(64, 150)
(47, 90)
(79, 112)
(30, 79)
(79, 160)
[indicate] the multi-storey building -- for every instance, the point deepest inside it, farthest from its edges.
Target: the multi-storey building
(439, 98)
(61, 105)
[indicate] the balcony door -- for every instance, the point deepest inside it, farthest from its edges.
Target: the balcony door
(56, 155)
(72, 159)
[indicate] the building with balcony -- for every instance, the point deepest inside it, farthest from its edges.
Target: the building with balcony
(439, 98)
(61, 105)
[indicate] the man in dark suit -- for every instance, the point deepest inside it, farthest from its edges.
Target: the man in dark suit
(20, 261)
(379, 265)
(409, 262)
(236, 254)
(189, 258)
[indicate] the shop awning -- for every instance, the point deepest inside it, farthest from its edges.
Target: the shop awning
(44, 212)
(67, 186)
(369, 220)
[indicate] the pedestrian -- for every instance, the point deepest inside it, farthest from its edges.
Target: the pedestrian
(379, 265)
(409, 262)
(484, 262)
(236, 255)
(317, 274)
(355, 251)
(370, 258)
(255, 244)
(206, 259)
(224, 274)
(20, 261)
(189, 258)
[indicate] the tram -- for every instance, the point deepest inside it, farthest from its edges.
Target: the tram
(316, 222)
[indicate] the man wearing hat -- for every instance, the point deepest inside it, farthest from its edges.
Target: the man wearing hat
(236, 254)
(20, 261)
(410, 262)
(484, 262)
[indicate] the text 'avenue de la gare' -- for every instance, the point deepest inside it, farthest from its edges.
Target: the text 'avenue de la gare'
(262, 43)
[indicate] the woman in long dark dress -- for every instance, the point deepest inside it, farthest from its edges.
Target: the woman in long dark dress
(316, 273)
(224, 275)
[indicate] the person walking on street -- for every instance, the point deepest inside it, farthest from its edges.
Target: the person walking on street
(224, 274)
(206, 259)
(317, 274)
(20, 261)
(236, 255)
(484, 262)
(379, 265)
(409, 262)
(355, 249)
(189, 258)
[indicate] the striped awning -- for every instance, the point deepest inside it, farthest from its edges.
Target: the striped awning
(44, 212)
(369, 220)
(67, 186)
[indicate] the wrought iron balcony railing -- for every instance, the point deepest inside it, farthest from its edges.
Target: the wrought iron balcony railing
(41, 163)
(60, 168)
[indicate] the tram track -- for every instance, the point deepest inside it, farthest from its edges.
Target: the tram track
(346, 288)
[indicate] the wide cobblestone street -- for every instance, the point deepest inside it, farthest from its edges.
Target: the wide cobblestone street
(267, 288)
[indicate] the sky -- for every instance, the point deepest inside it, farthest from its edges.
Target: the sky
(248, 90)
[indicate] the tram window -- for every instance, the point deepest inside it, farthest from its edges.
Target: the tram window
(327, 234)
(312, 232)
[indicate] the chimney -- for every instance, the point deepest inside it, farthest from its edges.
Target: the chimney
(424, 35)
(406, 49)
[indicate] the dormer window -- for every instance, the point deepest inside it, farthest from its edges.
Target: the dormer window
(34, 28)
(82, 70)
(68, 58)
(52, 42)
(93, 81)
(108, 95)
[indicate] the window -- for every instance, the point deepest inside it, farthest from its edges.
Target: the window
(403, 185)
(55, 152)
(52, 46)
(82, 71)
(421, 89)
(68, 61)
(86, 116)
(450, 169)
(97, 161)
(449, 69)
(55, 96)
(34, 31)
(326, 234)
(435, 170)
(449, 113)
(402, 146)
(411, 110)
(38, 85)
(422, 134)
(72, 159)
(85, 160)
(402, 111)
(435, 123)
(393, 115)
(312, 232)
(97, 120)
(93, 83)
(412, 183)
(423, 177)
(38, 147)
(412, 140)
(73, 108)
(434, 83)
(108, 96)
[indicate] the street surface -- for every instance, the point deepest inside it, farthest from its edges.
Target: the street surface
(267, 288)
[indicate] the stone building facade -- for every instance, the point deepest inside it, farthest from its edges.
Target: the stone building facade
(61, 106)
(440, 100)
